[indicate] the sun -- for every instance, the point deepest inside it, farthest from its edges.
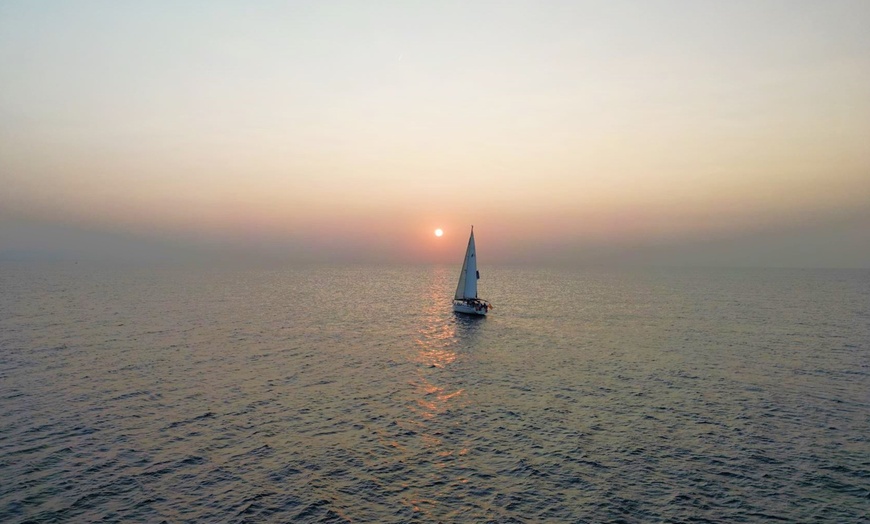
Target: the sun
(438, 232)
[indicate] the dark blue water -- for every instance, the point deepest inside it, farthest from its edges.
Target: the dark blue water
(356, 395)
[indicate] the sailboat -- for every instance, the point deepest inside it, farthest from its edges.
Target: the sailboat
(466, 300)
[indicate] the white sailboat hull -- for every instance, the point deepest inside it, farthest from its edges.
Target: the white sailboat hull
(462, 307)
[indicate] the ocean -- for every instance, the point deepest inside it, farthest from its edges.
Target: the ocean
(354, 394)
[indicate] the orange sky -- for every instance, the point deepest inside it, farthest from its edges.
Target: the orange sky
(352, 131)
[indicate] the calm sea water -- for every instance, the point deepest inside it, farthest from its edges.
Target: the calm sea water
(356, 395)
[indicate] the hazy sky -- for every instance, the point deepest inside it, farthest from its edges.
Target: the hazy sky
(668, 132)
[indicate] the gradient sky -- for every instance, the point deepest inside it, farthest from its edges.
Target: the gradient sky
(664, 132)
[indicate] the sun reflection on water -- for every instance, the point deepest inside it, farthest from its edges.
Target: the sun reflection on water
(438, 400)
(437, 343)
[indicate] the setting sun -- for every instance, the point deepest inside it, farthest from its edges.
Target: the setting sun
(438, 232)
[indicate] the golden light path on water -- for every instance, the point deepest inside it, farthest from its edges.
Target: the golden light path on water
(436, 394)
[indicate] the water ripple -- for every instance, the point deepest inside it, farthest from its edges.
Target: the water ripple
(249, 396)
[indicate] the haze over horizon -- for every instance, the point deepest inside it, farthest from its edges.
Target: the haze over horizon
(665, 133)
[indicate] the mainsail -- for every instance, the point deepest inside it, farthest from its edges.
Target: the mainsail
(467, 287)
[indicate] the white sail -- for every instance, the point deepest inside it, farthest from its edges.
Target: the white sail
(460, 288)
(467, 287)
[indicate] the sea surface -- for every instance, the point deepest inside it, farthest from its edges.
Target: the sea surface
(355, 394)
